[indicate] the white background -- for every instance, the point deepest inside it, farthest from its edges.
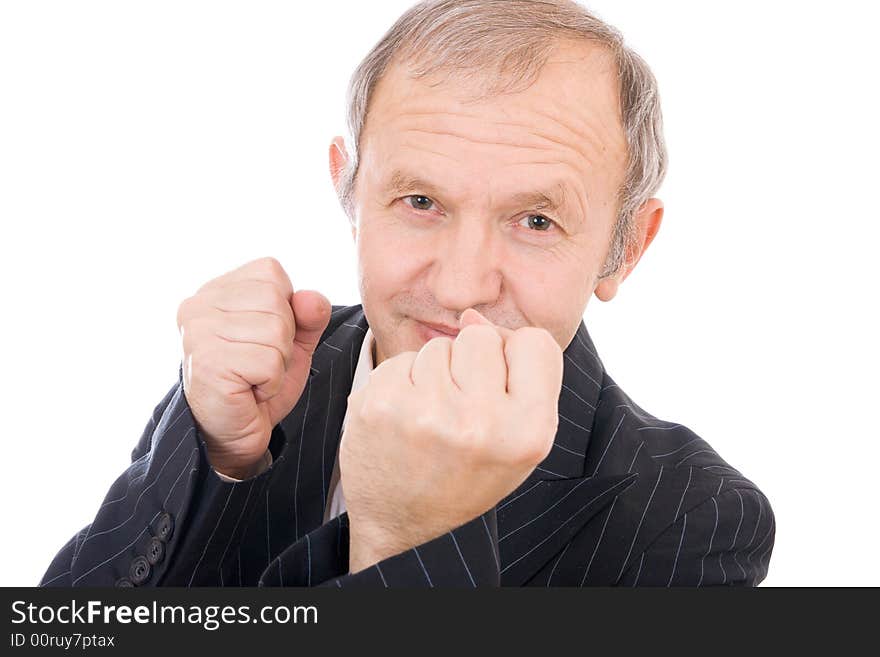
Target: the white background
(148, 147)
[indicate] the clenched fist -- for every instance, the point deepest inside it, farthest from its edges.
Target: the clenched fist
(438, 437)
(248, 341)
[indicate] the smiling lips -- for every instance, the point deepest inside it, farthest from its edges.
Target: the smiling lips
(437, 330)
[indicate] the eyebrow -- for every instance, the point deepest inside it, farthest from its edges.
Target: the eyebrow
(554, 200)
(401, 183)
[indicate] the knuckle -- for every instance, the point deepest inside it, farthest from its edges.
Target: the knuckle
(439, 345)
(437, 341)
(533, 338)
(279, 302)
(470, 439)
(276, 363)
(269, 373)
(529, 334)
(265, 360)
(200, 364)
(533, 451)
(267, 297)
(538, 442)
(277, 328)
(375, 409)
(390, 367)
(426, 423)
(187, 340)
(192, 333)
(286, 315)
(527, 445)
(268, 265)
(275, 272)
(183, 311)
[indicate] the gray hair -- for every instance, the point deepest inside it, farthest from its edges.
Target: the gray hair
(513, 38)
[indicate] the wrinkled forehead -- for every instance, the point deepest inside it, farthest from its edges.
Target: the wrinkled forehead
(569, 114)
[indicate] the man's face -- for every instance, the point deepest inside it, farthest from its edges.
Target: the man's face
(504, 205)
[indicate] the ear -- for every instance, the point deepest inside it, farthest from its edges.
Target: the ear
(648, 220)
(338, 162)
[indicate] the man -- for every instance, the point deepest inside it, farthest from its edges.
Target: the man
(457, 428)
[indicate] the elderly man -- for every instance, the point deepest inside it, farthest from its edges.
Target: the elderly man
(458, 428)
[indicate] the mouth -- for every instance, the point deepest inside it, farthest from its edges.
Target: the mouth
(429, 331)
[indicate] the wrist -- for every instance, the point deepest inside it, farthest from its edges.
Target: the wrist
(237, 469)
(370, 543)
(369, 546)
(361, 557)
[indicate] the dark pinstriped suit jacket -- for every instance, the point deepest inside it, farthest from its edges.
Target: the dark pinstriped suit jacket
(623, 498)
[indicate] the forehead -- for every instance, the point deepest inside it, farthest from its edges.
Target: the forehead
(567, 120)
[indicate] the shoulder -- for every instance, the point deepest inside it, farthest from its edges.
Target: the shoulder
(684, 488)
(627, 438)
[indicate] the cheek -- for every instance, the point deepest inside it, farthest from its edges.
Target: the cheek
(551, 281)
(386, 260)
(552, 295)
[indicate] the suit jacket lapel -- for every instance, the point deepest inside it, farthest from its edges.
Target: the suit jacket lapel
(535, 524)
(313, 428)
(538, 518)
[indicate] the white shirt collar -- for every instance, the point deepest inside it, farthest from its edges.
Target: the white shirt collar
(365, 362)
(362, 371)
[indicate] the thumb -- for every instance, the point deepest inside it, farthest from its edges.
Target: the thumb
(471, 316)
(311, 314)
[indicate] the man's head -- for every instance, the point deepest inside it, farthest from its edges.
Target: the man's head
(503, 156)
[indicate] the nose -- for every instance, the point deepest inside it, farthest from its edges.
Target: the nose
(466, 270)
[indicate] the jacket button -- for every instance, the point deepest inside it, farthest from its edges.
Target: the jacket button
(124, 582)
(139, 572)
(155, 551)
(164, 526)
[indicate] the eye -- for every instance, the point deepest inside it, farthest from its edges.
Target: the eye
(537, 222)
(419, 202)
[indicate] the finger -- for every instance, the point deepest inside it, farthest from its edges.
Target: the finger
(268, 270)
(251, 296)
(311, 311)
(478, 365)
(258, 366)
(267, 329)
(534, 367)
(430, 368)
(471, 316)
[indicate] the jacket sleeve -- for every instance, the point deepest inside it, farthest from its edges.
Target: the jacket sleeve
(466, 556)
(726, 540)
(154, 522)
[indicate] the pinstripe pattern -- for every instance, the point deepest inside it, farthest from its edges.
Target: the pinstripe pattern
(622, 498)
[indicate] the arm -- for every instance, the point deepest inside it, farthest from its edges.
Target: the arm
(157, 515)
(421, 472)
(59, 572)
(725, 540)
